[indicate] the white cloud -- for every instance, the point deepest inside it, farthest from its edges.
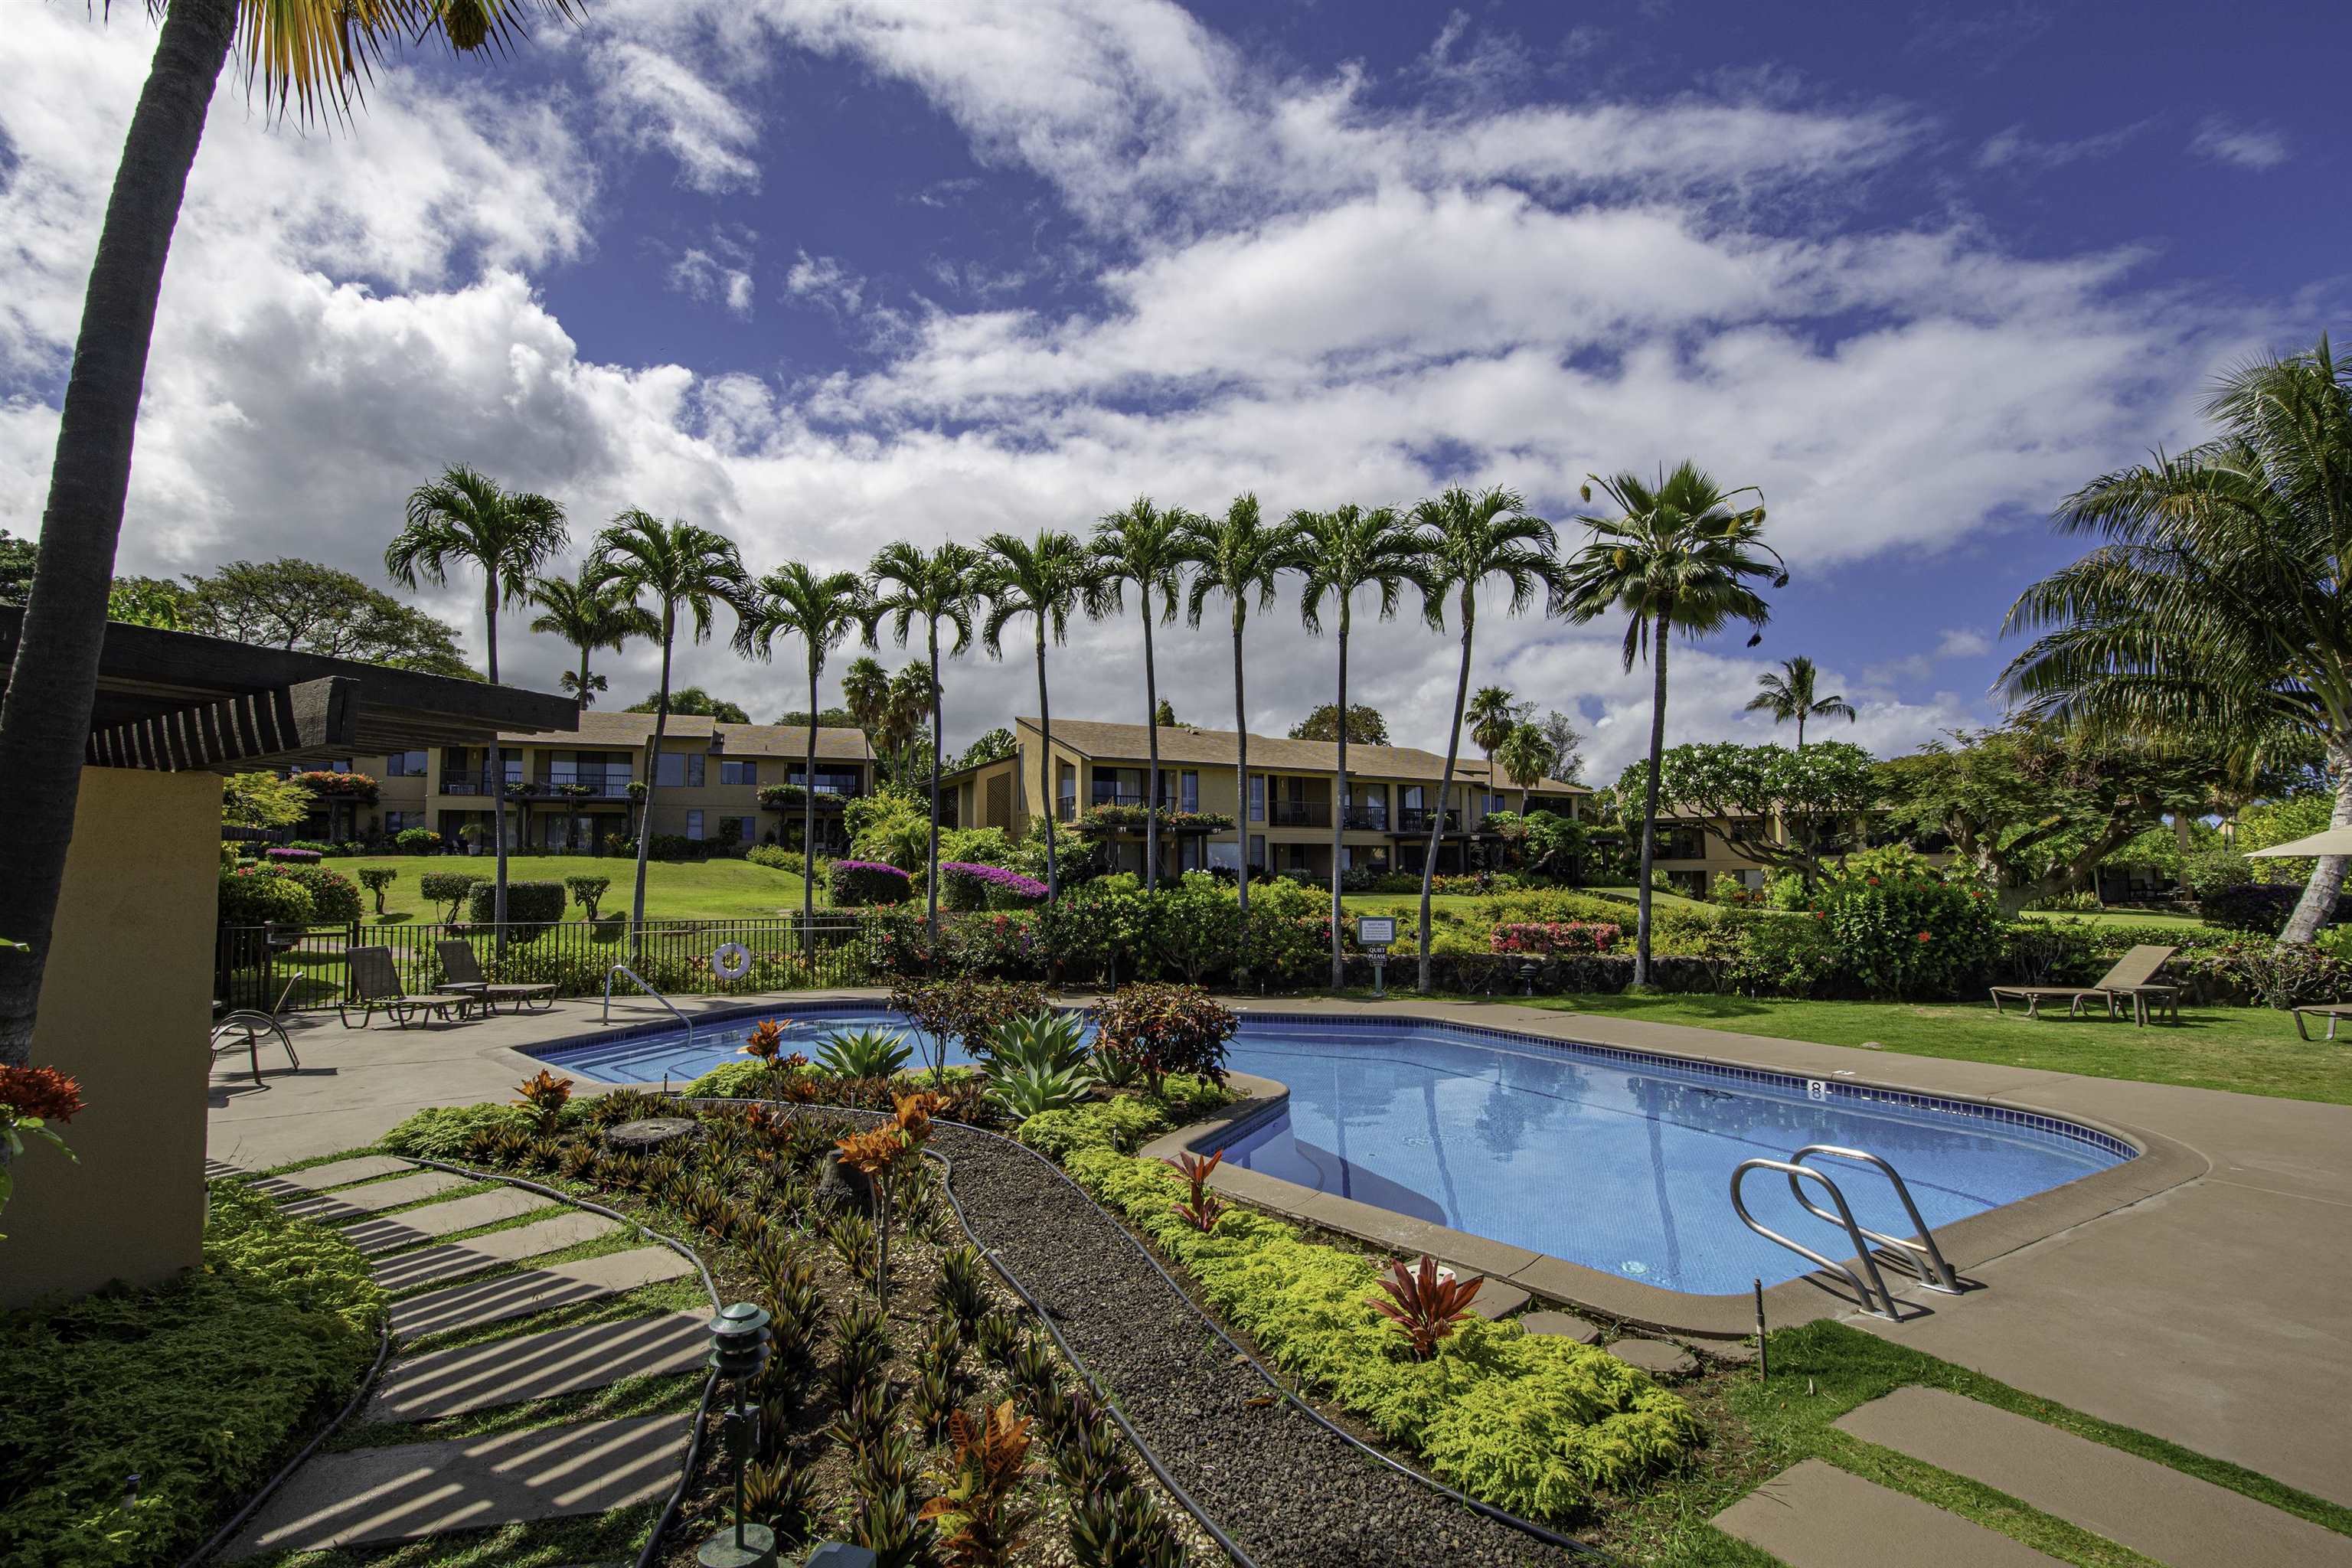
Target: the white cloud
(720, 271)
(823, 280)
(2013, 148)
(2221, 140)
(1957, 642)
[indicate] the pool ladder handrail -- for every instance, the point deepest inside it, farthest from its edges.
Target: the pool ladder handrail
(623, 969)
(1869, 1285)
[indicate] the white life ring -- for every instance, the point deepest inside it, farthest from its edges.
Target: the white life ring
(731, 961)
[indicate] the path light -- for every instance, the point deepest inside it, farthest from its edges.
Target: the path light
(1527, 975)
(738, 1349)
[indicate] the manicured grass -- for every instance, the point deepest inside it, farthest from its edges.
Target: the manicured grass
(682, 890)
(1659, 900)
(1823, 1370)
(2247, 1050)
(2118, 917)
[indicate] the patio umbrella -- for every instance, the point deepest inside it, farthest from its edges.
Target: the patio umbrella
(2334, 841)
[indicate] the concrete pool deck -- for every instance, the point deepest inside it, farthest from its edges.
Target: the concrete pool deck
(2211, 1310)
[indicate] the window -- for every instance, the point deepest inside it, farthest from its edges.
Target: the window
(734, 772)
(1409, 797)
(681, 768)
(1257, 797)
(738, 829)
(1190, 795)
(404, 765)
(693, 821)
(402, 821)
(1257, 849)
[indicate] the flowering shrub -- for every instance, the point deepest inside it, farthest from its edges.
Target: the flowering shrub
(282, 855)
(418, 840)
(30, 1098)
(324, 783)
(964, 885)
(251, 896)
(857, 882)
(1900, 929)
(1132, 818)
(1543, 938)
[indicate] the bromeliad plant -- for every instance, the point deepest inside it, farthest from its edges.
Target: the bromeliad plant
(546, 1095)
(31, 1099)
(978, 1522)
(1425, 1303)
(1202, 1213)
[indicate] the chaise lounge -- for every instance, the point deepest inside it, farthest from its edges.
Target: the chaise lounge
(376, 984)
(2133, 978)
(462, 971)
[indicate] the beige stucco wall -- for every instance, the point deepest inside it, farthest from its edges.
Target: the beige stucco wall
(125, 1008)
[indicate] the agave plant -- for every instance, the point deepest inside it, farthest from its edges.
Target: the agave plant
(863, 1053)
(1042, 1041)
(1425, 1304)
(1026, 1092)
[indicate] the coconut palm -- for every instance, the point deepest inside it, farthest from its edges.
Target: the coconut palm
(1048, 577)
(1789, 695)
(866, 693)
(465, 518)
(1468, 537)
(1493, 712)
(905, 706)
(1240, 556)
(1680, 556)
(1144, 544)
(1524, 754)
(821, 609)
(903, 586)
(687, 571)
(1339, 551)
(589, 616)
(302, 55)
(2215, 603)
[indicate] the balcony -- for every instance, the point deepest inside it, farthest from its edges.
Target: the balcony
(613, 783)
(1298, 814)
(1365, 819)
(1421, 818)
(476, 780)
(1117, 796)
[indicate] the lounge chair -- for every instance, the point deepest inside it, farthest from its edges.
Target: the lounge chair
(2331, 1011)
(462, 971)
(375, 982)
(243, 1030)
(2133, 978)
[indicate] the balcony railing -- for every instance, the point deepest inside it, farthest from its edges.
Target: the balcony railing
(611, 785)
(1299, 814)
(1117, 796)
(479, 781)
(1365, 819)
(1418, 819)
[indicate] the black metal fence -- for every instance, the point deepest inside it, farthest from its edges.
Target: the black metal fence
(293, 968)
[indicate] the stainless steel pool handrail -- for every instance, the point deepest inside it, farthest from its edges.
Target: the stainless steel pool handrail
(1923, 1254)
(625, 969)
(1876, 1297)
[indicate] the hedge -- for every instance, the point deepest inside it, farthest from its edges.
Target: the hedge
(859, 882)
(334, 898)
(251, 896)
(528, 904)
(2261, 906)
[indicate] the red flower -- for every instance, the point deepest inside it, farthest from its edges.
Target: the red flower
(43, 1092)
(1924, 937)
(1873, 881)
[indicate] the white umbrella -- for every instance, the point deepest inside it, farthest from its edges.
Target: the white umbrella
(2334, 841)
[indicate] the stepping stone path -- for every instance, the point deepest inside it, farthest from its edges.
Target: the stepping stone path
(412, 1489)
(1815, 1515)
(1654, 1356)
(1567, 1325)
(1497, 1298)
(2155, 1510)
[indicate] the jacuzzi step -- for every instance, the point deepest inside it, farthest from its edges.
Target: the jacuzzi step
(1815, 1515)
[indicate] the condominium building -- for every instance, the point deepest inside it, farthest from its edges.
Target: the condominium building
(715, 781)
(1385, 816)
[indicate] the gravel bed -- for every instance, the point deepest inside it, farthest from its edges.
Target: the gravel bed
(1289, 1491)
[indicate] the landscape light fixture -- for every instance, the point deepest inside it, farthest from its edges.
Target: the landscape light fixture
(738, 1349)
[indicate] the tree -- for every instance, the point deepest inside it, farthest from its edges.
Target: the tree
(1047, 577)
(1679, 557)
(993, 747)
(821, 609)
(1164, 716)
(17, 557)
(1493, 713)
(588, 615)
(1523, 756)
(1339, 551)
(686, 569)
(307, 607)
(307, 54)
(1366, 726)
(1145, 545)
(866, 692)
(1469, 537)
(1789, 695)
(465, 517)
(155, 602)
(263, 800)
(2215, 605)
(826, 718)
(696, 704)
(904, 585)
(2034, 806)
(905, 710)
(1767, 803)
(1240, 556)
(1567, 744)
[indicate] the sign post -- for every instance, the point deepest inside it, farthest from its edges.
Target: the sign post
(1374, 933)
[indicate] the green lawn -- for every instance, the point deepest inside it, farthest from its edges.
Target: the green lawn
(2117, 918)
(709, 889)
(2247, 1050)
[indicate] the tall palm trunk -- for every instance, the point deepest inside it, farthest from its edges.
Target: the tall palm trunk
(1445, 784)
(652, 779)
(1240, 780)
(45, 719)
(1650, 804)
(1052, 769)
(1339, 809)
(1152, 744)
(498, 767)
(2317, 905)
(808, 828)
(938, 739)
(1801, 728)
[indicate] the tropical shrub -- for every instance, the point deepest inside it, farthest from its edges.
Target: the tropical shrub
(1544, 938)
(858, 882)
(775, 857)
(863, 1053)
(442, 1132)
(964, 885)
(378, 879)
(1002, 945)
(1098, 929)
(1125, 1123)
(1902, 930)
(251, 896)
(529, 905)
(417, 840)
(966, 1008)
(293, 854)
(1195, 927)
(334, 898)
(587, 890)
(2259, 907)
(1166, 1029)
(1776, 954)
(448, 888)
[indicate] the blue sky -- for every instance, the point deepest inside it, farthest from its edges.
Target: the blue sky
(826, 272)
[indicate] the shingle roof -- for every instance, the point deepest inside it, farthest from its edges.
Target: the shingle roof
(615, 730)
(1185, 743)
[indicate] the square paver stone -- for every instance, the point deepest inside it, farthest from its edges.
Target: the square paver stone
(1815, 1515)
(351, 1202)
(470, 1305)
(539, 1366)
(470, 1483)
(413, 1228)
(2150, 1508)
(456, 1260)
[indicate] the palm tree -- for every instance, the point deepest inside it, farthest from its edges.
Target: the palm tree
(1241, 557)
(1339, 551)
(1145, 545)
(822, 610)
(589, 616)
(1679, 557)
(1047, 577)
(904, 585)
(307, 54)
(905, 706)
(1789, 695)
(467, 518)
(866, 693)
(1469, 538)
(2215, 604)
(1493, 712)
(687, 569)
(1524, 754)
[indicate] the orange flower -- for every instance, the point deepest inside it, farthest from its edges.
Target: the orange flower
(41, 1092)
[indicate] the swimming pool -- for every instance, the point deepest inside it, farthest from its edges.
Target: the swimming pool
(1616, 1160)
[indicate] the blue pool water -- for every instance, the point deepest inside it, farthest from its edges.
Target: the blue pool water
(1620, 1162)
